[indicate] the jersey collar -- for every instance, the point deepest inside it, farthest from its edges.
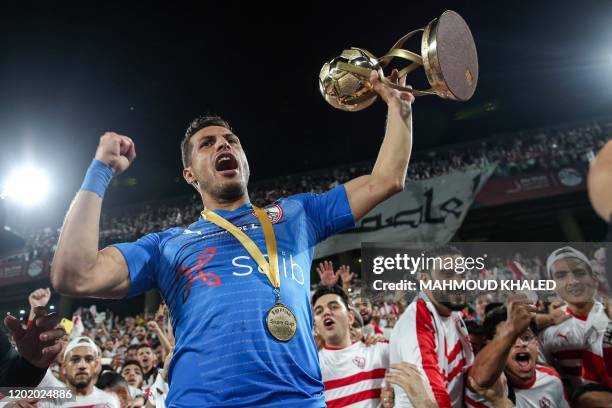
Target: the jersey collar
(227, 213)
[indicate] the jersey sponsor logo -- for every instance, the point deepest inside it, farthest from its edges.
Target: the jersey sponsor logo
(359, 362)
(287, 267)
(196, 273)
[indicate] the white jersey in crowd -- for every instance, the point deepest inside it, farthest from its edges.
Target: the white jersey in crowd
(158, 392)
(544, 391)
(579, 348)
(438, 346)
(353, 376)
(97, 398)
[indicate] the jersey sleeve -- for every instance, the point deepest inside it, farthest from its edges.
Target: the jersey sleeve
(329, 213)
(142, 258)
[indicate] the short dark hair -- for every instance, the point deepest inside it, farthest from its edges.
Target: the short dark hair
(473, 327)
(330, 290)
(133, 347)
(492, 319)
(497, 316)
(132, 362)
(199, 123)
(111, 379)
(144, 345)
(491, 306)
(590, 387)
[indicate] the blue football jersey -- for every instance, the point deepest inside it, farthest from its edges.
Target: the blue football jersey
(218, 299)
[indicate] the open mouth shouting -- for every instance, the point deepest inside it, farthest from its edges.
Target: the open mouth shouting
(226, 164)
(329, 323)
(524, 362)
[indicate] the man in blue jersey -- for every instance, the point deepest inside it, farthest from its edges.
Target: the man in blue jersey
(242, 319)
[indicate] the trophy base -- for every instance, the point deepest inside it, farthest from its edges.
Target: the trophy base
(449, 57)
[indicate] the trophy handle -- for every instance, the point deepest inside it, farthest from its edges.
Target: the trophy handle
(417, 61)
(388, 57)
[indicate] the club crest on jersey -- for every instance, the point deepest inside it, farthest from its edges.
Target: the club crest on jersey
(359, 362)
(274, 213)
(545, 403)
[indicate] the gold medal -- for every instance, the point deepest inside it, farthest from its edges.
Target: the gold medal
(281, 322)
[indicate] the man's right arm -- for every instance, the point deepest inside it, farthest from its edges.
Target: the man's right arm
(79, 268)
(491, 360)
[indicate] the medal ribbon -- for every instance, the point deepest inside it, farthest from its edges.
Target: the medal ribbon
(269, 268)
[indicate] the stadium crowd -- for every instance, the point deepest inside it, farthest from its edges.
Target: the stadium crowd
(542, 149)
(121, 361)
(424, 351)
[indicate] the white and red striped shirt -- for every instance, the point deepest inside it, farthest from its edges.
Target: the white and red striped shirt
(544, 391)
(578, 348)
(438, 345)
(353, 376)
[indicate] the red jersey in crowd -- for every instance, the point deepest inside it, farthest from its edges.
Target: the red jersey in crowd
(438, 345)
(579, 348)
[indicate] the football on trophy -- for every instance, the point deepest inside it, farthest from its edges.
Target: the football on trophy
(344, 80)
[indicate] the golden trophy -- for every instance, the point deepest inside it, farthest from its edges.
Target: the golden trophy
(448, 57)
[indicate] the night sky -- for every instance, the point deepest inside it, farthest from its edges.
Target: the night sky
(69, 72)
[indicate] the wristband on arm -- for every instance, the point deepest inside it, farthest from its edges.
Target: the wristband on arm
(97, 178)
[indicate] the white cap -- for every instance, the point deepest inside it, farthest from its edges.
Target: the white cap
(82, 342)
(563, 253)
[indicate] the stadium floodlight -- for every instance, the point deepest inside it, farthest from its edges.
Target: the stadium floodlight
(27, 185)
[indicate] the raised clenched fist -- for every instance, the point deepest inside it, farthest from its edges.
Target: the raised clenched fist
(116, 151)
(520, 315)
(40, 297)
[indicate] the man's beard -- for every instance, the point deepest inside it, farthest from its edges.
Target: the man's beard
(81, 383)
(228, 192)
